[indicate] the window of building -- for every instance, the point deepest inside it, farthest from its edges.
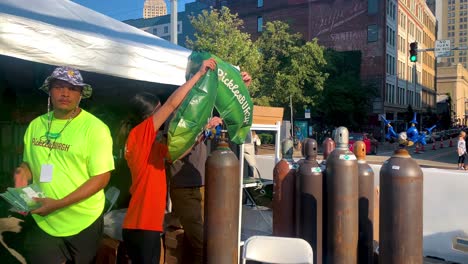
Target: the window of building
(179, 28)
(372, 33)
(166, 29)
(389, 7)
(401, 95)
(259, 24)
(390, 64)
(259, 3)
(372, 6)
(390, 93)
(155, 31)
(390, 36)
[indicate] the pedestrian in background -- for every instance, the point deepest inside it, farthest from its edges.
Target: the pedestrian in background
(256, 141)
(461, 150)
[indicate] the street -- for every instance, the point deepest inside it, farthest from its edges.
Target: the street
(445, 157)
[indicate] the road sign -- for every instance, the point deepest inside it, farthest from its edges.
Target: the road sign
(442, 48)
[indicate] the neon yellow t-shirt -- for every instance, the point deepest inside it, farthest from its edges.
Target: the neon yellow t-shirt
(81, 150)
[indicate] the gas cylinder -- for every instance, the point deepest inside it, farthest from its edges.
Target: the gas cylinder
(284, 184)
(342, 202)
(309, 203)
(366, 205)
(401, 210)
(222, 191)
(328, 145)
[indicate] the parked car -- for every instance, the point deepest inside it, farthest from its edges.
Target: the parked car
(434, 137)
(371, 143)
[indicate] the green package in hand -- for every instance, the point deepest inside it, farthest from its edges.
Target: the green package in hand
(22, 198)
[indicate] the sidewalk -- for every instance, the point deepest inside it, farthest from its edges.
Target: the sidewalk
(384, 151)
(384, 147)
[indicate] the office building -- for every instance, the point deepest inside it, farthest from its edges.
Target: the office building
(154, 8)
(160, 26)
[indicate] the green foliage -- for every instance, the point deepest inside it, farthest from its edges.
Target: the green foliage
(345, 101)
(219, 32)
(446, 114)
(409, 113)
(284, 66)
(266, 138)
(290, 67)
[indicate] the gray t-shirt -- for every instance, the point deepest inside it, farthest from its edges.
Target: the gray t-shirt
(190, 170)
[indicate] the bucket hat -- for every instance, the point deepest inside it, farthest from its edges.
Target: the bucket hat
(70, 75)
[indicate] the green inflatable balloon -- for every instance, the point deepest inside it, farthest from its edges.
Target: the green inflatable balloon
(233, 100)
(191, 116)
(223, 89)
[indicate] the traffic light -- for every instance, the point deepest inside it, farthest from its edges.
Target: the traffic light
(413, 52)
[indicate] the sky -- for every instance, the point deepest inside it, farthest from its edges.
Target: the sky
(123, 9)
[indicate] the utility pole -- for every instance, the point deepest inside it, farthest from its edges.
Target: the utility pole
(415, 81)
(292, 120)
(174, 21)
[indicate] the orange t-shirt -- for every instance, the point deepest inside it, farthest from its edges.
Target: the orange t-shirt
(145, 158)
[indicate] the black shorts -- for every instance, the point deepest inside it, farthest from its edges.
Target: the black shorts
(40, 247)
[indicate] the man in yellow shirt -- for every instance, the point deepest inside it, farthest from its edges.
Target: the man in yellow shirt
(68, 152)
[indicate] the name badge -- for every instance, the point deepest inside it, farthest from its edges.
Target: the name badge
(46, 173)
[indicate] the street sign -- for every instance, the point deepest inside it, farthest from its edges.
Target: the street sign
(442, 48)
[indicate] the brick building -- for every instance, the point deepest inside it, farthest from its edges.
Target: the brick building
(381, 30)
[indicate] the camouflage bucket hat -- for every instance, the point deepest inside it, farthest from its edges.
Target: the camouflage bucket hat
(70, 75)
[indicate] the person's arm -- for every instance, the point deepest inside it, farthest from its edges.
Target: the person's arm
(87, 189)
(246, 78)
(214, 121)
(160, 116)
(22, 175)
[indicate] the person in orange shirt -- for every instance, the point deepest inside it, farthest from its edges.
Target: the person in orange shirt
(143, 223)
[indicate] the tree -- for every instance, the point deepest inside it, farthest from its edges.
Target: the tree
(219, 32)
(446, 113)
(409, 113)
(290, 67)
(345, 100)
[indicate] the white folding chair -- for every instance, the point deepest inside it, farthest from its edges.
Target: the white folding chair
(275, 250)
(112, 193)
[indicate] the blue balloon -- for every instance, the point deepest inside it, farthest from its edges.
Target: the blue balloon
(412, 132)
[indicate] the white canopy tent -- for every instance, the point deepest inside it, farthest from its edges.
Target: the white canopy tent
(61, 32)
(65, 33)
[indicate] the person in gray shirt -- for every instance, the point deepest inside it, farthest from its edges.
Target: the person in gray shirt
(187, 190)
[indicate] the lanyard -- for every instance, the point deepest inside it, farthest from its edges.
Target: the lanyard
(58, 134)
